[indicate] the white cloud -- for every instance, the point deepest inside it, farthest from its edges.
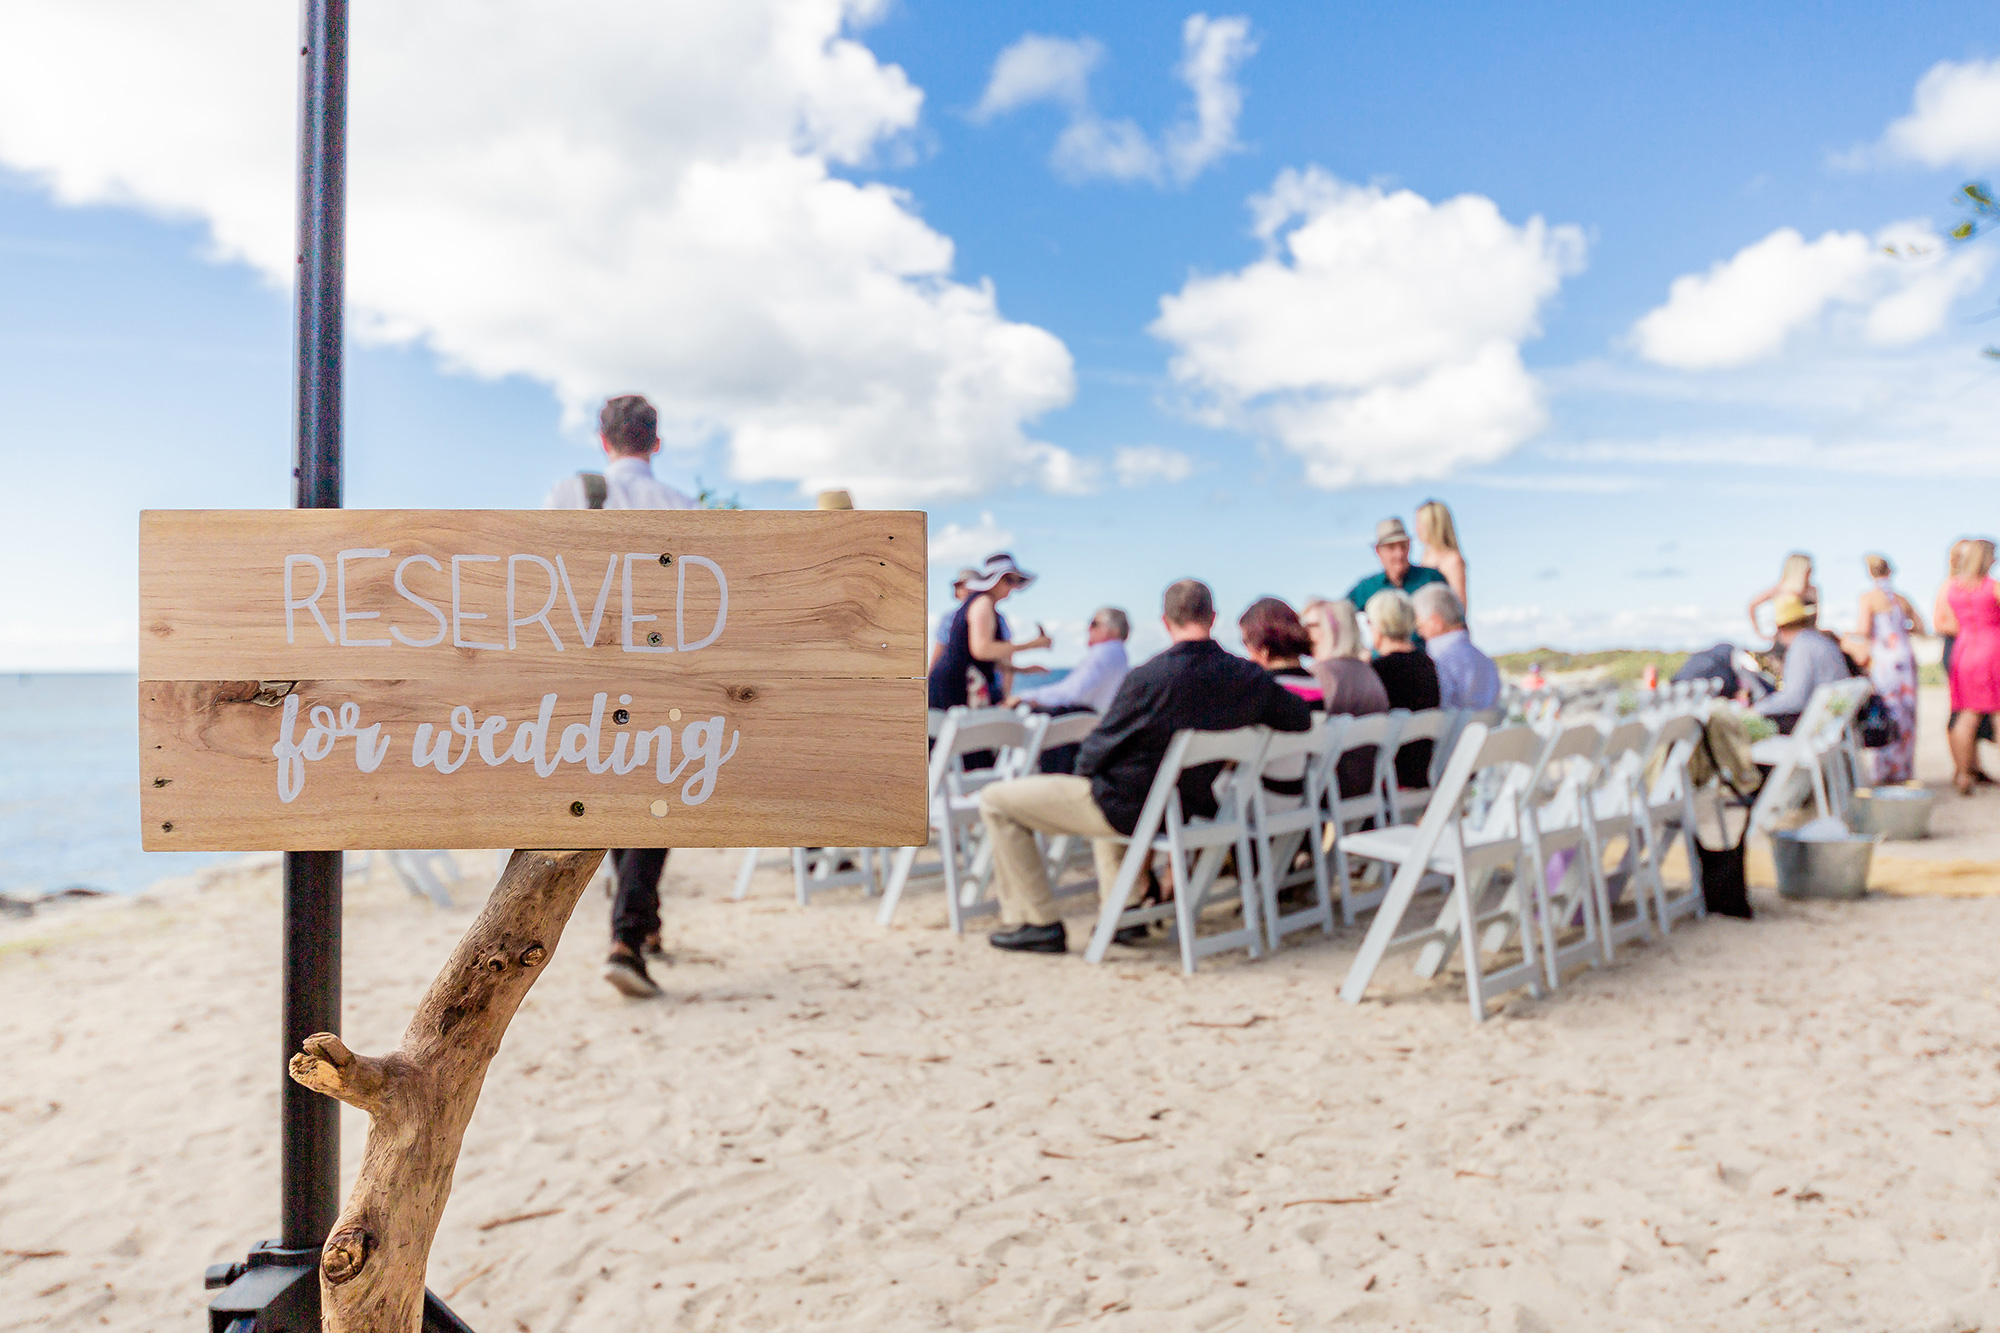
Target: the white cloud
(1893, 289)
(1918, 412)
(1510, 629)
(1142, 464)
(1058, 69)
(1214, 49)
(954, 544)
(1041, 69)
(1954, 118)
(603, 195)
(1379, 336)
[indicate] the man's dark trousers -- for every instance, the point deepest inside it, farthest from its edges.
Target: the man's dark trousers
(635, 913)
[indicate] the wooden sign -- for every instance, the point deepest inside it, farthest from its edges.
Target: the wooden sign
(329, 679)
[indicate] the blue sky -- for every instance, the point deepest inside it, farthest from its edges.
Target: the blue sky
(839, 246)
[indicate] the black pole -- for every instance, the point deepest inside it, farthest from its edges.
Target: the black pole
(309, 1156)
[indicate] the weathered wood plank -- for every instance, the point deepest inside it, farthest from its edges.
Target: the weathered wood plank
(752, 760)
(840, 593)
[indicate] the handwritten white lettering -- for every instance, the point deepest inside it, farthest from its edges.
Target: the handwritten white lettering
(702, 751)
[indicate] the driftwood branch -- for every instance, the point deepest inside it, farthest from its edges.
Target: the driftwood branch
(420, 1097)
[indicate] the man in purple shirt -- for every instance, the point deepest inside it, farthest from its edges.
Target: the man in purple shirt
(1467, 677)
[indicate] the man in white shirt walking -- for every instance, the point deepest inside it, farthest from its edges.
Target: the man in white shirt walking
(629, 429)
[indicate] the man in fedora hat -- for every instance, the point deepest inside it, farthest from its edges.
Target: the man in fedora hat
(1392, 548)
(1812, 659)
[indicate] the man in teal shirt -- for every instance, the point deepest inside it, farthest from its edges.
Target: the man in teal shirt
(1392, 548)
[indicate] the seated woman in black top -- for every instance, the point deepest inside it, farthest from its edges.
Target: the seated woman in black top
(1407, 673)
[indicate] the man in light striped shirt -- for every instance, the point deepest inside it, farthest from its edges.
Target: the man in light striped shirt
(629, 430)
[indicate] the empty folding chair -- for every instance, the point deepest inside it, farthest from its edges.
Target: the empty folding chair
(1612, 814)
(1664, 798)
(1365, 743)
(1014, 740)
(1287, 823)
(1196, 849)
(1470, 841)
(1555, 826)
(1431, 724)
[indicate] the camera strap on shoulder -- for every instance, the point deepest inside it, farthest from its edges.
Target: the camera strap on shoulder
(595, 488)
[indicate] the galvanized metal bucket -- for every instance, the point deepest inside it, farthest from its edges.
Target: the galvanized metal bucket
(1897, 814)
(1823, 868)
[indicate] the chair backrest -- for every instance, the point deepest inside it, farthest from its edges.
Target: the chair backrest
(1377, 730)
(1296, 756)
(1565, 766)
(1068, 729)
(1242, 750)
(1667, 759)
(1013, 739)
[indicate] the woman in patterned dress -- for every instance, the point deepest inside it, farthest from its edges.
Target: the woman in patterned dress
(1892, 669)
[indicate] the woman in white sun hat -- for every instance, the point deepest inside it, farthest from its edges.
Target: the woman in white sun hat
(976, 639)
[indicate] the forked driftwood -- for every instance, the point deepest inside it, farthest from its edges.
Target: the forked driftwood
(420, 1097)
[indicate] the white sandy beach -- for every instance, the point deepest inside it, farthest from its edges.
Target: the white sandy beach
(1786, 1123)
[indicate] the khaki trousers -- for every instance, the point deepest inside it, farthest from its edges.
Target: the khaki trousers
(1048, 803)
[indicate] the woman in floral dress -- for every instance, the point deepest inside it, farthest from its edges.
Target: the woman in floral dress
(1892, 669)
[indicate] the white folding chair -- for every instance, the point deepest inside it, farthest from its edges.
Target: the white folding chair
(1555, 819)
(1371, 807)
(1814, 754)
(1612, 814)
(1436, 725)
(1665, 805)
(1195, 848)
(1063, 852)
(1286, 824)
(1470, 839)
(963, 859)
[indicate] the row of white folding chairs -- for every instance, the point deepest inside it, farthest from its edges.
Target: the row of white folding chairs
(1508, 801)
(1266, 830)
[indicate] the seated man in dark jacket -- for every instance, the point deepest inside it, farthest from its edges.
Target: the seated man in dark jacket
(1194, 685)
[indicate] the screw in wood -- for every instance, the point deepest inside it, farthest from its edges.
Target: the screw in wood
(576, 808)
(167, 828)
(621, 717)
(654, 638)
(666, 559)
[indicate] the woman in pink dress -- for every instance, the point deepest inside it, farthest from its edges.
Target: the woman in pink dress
(1975, 658)
(1888, 619)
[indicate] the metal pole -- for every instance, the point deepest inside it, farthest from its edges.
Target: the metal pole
(309, 1158)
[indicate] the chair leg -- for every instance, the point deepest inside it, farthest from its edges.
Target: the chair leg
(899, 876)
(743, 874)
(800, 873)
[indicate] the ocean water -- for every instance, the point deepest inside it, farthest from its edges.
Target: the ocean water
(69, 787)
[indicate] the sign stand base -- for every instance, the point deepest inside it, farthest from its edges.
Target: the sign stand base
(276, 1290)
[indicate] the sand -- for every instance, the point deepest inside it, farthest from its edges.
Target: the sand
(1784, 1123)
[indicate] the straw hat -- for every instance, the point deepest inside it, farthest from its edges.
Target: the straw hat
(834, 500)
(1391, 530)
(1790, 609)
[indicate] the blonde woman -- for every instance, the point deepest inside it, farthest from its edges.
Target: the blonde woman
(1440, 538)
(1887, 620)
(1409, 677)
(1797, 579)
(1340, 661)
